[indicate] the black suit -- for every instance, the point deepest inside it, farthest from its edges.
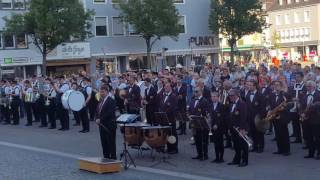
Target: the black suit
(281, 123)
(294, 116)
(150, 97)
(238, 119)
(182, 105)
(312, 123)
(108, 127)
(218, 115)
(255, 107)
(169, 106)
(134, 99)
(200, 107)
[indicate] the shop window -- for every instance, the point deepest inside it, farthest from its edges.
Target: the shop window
(99, 1)
(182, 24)
(8, 41)
(21, 41)
(19, 4)
(178, 1)
(117, 26)
(181, 60)
(101, 26)
(6, 4)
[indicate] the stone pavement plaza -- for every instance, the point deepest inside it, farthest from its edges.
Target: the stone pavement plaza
(32, 153)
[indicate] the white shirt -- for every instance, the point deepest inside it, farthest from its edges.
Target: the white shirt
(215, 106)
(65, 87)
(167, 96)
(252, 95)
(197, 101)
(52, 93)
(88, 90)
(234, 105)
(310, 98)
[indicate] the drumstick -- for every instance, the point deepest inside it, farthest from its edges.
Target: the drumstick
(103, 127)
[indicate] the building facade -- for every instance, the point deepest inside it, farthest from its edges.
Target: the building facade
(120, 48)
(295, 29)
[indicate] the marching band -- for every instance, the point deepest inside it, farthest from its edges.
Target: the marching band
(234, 105)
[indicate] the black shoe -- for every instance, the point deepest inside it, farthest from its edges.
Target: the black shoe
(196, 157)
(243, 164)
(308, 157)
(296, 141)
(172, 152)
(215, 161)
(277, 152)
(274, 139)
(61, 129)
(51, 127)
(204, 158)
(76, 124)
(221, 161)
(286, 154)
(233, 163)
(28, 124)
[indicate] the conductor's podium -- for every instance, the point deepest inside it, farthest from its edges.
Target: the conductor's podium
(100, 165)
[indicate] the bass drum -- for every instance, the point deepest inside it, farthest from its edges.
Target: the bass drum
(73, 100)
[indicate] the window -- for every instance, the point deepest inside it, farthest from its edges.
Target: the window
(101, 26)
(296, 17)
(8, 41)
(99, 1)
(297, 33)
(178, 1)
(307, 16)
(286, 19)
(6, 4)
(117, 26)
(278, 20)
(182, 21)
(291, 33)
(21, 41)
(131, 30)
(19, 4)
(114, 1)
(288, 1)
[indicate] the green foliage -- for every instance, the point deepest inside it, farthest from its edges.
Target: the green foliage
(235, 19)
(152, 19)
(275, 40)
(51, 22)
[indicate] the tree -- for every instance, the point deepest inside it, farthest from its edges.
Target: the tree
(234, 19)
(151, 19)
(50, 23)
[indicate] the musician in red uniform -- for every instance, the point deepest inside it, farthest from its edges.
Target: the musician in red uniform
(181, 91)
(106, 119)
(310, 121)
(133, 100)
(238, 120)
(168, 104)
(149, 100)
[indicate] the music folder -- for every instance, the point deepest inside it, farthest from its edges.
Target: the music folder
(199, 122)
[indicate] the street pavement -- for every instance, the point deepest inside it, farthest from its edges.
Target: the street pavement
(38, 153)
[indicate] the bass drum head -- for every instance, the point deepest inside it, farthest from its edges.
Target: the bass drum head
(76, 100)
(65, 97)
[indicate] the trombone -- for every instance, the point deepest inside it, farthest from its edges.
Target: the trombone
(245, 137)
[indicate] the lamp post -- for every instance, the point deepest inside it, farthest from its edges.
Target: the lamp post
(221, 47)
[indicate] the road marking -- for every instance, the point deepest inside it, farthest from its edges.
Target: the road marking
(76, 156)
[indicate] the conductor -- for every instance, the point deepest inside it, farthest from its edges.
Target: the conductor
(106, 120)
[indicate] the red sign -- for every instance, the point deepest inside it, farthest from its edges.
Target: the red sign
(312, 53)
(285, 55)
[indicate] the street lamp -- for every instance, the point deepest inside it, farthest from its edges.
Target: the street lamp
(221, 47)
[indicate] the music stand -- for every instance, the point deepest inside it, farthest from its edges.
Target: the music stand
(200, 123)
(126, 119)
(161, 118)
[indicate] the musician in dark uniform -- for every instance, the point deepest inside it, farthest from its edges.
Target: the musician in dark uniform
(16, 98)
(244, 92)
(181, 91)
(51, 104)
(199, 106)
(41, 109)
(160, 92)
(297, 89)
(255, 104)
(62, 113)
(225, 100)
(106, 119)
(7, 92)
(265, 91)
(205, 91)
(83, 113)
(150, 94)
(281, 120)
(218, 126)
(310, 119)
(168, 104)
(133, 100)
(238, 123)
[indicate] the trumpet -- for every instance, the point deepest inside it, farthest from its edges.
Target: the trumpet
(47, 103)
(209, 120)
(143, 115)
(245, 137)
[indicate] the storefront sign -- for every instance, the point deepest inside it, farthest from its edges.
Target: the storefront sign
(202, 40)
(70, 51)
(7, 60)
(7, 71)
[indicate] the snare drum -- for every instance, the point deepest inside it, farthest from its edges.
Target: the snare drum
(156, 136)
(73, 100)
